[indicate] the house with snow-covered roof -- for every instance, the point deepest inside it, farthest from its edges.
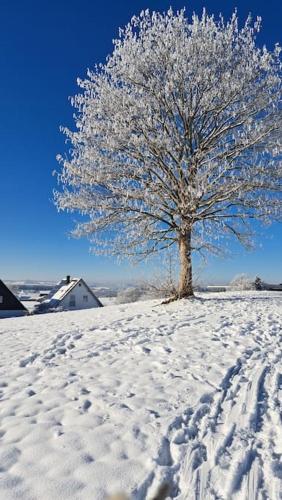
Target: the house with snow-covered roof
(69, 294)
(10, 305)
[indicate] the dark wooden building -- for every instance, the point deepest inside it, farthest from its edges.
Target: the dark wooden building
(10, 305)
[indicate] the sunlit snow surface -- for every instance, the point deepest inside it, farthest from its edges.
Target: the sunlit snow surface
(128, 397)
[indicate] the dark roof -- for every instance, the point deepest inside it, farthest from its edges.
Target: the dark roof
(9, 301)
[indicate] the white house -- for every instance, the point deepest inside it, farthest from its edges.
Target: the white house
(69, 294)
(9, 304)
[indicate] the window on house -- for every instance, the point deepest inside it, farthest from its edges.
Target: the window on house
(85, 298)
(72, 301)
(1, 299)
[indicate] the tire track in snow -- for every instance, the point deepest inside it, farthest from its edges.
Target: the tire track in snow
(226, 448)
(240, 462)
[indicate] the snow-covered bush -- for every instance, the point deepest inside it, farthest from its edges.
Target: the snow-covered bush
(242, 282)
(131, 294)
(163, 283)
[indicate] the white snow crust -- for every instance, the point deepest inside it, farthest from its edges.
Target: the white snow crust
(128, 397)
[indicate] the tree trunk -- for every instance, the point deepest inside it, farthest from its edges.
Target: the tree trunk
(185, 288)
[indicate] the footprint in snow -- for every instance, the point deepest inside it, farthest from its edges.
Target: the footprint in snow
(130, 395)
(164, 455)
(180, 437)
(61, 350)
(87, 459)
(146, 350)
(86, 405)
(26, 361)
(93, 354)
(206, 398)
(30, 392)
(154, 413)
(84, 391)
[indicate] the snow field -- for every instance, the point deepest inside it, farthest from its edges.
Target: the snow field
(128, 397)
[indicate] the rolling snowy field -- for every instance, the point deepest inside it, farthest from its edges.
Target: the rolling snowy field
(128, 397)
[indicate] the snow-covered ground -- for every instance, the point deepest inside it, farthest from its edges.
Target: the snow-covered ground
(128, 397)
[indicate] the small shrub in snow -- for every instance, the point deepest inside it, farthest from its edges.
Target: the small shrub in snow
(163, 285)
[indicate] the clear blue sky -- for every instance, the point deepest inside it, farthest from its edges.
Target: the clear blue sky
(45, 46)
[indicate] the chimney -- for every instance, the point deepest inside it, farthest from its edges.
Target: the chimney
(68, 279)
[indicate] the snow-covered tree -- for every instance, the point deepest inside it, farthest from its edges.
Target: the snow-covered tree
(242, 282)
(258, 283)
(177, 139)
